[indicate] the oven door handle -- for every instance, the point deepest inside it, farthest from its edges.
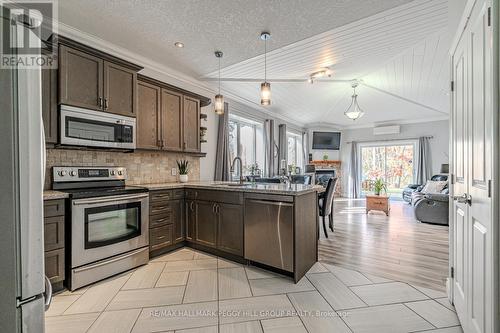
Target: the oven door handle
(115, 198)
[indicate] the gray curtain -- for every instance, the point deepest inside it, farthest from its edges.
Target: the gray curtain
(282, 146)
(222, 154)
(269, 169)
(304, 151)
(354, 172)
(424, 171)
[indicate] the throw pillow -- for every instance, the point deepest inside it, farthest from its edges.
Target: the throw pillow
(434, 186)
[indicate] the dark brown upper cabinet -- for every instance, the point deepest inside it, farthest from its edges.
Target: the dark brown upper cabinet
(148, 119)
(120, 89)
(95, 80)
(191, 122)
(171, 120)
(177, 121)
(49, 105)
(80, 79)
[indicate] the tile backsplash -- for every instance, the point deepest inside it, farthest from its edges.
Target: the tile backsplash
(143, 167)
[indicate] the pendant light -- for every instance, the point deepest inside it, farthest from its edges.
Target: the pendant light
(219, 99)
(265, 87)
(354, 111)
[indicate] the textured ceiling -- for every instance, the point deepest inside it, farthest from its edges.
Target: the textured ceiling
(398, 47)
(150, 27)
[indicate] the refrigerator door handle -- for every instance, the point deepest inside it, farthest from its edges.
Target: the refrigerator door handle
(48, 293)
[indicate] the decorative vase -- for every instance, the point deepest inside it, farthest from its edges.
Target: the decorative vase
(183, 178)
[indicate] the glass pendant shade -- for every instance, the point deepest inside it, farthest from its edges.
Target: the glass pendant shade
(354, 111)
(265, 93)
(219, 104)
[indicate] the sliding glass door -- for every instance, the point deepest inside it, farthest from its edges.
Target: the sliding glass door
(391, 161)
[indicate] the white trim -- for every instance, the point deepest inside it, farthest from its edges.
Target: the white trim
(462, 25)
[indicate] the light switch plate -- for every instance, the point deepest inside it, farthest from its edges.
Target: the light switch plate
(174, 172)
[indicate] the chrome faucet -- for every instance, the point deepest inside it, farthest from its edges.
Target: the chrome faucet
(240, 169)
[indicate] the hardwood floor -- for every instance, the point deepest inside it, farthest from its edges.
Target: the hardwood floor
(396, 247)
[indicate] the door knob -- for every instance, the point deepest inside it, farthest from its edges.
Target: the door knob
(464, 198)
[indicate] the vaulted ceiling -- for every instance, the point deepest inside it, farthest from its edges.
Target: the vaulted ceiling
(398, 48)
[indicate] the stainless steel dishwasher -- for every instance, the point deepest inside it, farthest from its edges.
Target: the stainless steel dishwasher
(269, 231)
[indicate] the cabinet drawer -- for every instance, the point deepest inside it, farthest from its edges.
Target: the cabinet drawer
(54, 265)
(160, 208)
(159, 220)
(53, 208)
(161, 195)
(53, 233)
(160, 237)
(221, 196)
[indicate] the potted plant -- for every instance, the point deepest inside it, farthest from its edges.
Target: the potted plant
(183, 167)
(378, 186)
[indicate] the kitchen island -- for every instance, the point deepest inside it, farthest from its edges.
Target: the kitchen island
(270, 225)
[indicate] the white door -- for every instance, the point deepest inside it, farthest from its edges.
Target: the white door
(472, 129)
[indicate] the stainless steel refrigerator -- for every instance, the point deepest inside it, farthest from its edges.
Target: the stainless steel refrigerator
(24, 290)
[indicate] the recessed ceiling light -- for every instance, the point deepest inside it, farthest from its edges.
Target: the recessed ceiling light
(179, 44)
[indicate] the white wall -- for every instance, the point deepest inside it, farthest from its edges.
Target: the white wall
(318, 154)
(439, 144)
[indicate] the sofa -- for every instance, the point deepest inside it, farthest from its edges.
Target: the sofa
(410, 189)
(431, 207)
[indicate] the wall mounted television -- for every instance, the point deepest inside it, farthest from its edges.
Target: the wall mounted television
(326, 140)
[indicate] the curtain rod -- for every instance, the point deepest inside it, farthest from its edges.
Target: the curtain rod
(386, 140)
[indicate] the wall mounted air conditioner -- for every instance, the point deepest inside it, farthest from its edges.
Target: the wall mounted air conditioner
(383, 130)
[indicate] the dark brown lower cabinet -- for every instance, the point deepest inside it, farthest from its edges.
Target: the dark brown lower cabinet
(54, 242)
(206, 223)
(230, 228)
(166, 220)
(215, 224)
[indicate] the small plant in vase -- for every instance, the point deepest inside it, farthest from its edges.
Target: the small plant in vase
(379, 186)
(183, 166)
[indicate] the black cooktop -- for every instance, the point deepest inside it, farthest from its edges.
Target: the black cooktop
(82, 193)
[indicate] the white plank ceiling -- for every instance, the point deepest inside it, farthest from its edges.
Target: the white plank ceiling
(397, 47)
(400, 55)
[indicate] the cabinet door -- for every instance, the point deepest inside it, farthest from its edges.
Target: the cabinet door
(171, 120)
(54, 265)
(80, 79)
(191, 124)
(49, 104)
(148, 116)
(230, 228)
(178, 218)
(120, 90)
(190, 217)
(206, 223)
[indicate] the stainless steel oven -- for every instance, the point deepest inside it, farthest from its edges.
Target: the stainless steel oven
(109, 229)
(103, 227)
(83, 127)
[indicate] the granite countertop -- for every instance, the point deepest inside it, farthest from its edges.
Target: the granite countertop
(52, 195)
(284, 189)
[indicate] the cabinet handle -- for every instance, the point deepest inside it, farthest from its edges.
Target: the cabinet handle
(105, 104)
(100, 102)
(191, 204)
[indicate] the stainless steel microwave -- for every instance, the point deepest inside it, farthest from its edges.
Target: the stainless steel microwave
(83, 127)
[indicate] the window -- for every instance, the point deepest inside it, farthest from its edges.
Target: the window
(295, 151)
(393, 163)
(246, 141)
